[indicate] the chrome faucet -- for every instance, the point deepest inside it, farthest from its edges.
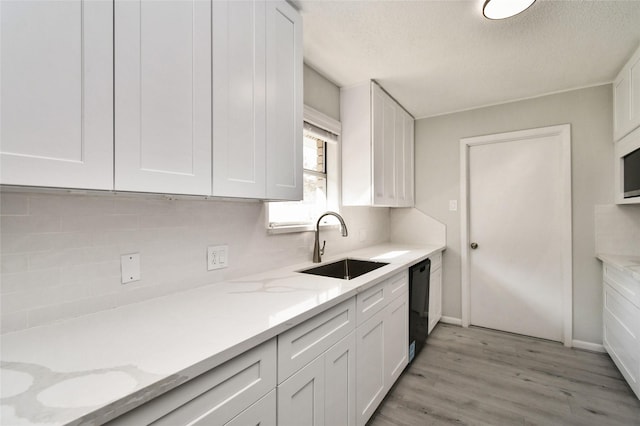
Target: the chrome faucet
(317, 251)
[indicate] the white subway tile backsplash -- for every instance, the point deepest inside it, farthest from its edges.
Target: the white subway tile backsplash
(61, 252)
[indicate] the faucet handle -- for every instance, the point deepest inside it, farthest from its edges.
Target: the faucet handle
(324, 243)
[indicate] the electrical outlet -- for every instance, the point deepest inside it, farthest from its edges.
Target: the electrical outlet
(217, 257)
(130, 267)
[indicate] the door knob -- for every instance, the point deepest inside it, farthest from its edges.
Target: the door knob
(474, 246)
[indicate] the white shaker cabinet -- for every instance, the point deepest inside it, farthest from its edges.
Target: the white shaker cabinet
(316, 370)
(377, 148)
(626, 98)
(284, 101)
(404, 158)
(239, 107)
(621, 323)
(322, 392)
(163, 96)
(56, 122)
(257, 102)
(262, 413)
(435, 291)
(382, 342)
(217, 396)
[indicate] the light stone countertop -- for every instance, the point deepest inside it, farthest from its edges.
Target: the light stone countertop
(93, 368)
(629, 264)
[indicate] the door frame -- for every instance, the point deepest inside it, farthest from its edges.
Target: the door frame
(564, 131)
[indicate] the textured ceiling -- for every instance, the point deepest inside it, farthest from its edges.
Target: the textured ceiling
(437, 57)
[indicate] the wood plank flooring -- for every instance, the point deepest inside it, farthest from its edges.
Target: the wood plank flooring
(476, 376)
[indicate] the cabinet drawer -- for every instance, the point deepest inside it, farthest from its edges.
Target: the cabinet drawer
(436, 261)
(261, 413)
(623, 283)
(374, 299)
(217, 395)
(305, 342)
(620, 334)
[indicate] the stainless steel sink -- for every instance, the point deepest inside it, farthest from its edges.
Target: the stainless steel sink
(345, 269)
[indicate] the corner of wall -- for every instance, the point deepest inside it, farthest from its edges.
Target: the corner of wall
(412, 226)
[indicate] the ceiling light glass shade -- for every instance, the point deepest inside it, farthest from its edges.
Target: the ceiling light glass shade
(500, 9)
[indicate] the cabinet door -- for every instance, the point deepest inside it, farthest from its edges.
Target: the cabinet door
(340, 387)
(163, 96)
(384, 134)
(404, 159)
(626, 98)
(262, 413)
(370, 373)
(621, 329)
(283, 101)
(396, 334)
(57, 90)
(239, 102)
(435, 298)
(621, 103)
(301, 397)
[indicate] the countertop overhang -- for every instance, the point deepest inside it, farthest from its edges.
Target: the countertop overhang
(628, 264)
(94, 368)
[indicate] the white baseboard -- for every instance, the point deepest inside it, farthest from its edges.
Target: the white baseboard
(587, 346)
(451, 320)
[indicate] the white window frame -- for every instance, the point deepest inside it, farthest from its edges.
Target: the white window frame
(332, 164)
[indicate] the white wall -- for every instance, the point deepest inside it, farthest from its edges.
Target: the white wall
(60, 253)
(618, 229)
(321, 94)
(589, 111)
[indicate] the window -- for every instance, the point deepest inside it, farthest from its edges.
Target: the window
(320, 189)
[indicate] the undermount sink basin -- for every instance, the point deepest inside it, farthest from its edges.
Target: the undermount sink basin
(345, 269)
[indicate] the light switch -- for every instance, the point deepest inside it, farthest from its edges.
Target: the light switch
(217, 257)
(130, 267)
(453, 205)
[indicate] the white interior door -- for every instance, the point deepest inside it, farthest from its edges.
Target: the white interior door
(519, 216)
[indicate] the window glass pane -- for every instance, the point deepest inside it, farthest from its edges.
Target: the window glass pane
(305, 211)
(313, 153)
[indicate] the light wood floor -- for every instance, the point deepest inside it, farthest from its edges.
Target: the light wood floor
(475, 376)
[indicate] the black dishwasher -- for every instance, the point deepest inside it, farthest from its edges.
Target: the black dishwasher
(418, 306)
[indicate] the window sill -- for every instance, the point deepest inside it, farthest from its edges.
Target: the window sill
(299, 228)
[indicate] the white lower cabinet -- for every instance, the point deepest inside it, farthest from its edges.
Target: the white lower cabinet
(381, 350)
(215, 397)
(323, 392)
(301, 396)
(316, 367)
(322, 372)
(370, 367)
(621, 324)
(435, 291)
(340, 383)
(262, 413)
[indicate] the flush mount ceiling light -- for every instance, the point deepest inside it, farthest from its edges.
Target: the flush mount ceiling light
(501, 9)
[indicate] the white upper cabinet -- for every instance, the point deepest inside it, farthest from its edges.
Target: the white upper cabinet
(163, 96)
(284, 101)
(377, 148)
(257, 102)
(404, 158)
(239, 142)
(194, 97)
(626, 98)
(56, 122)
